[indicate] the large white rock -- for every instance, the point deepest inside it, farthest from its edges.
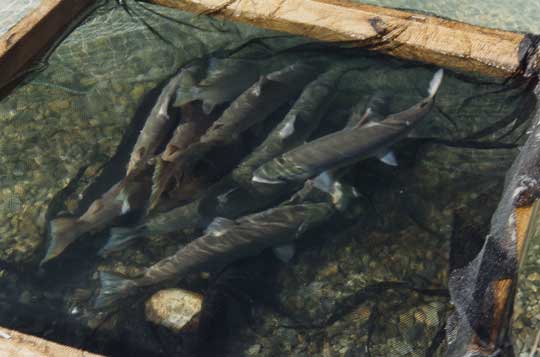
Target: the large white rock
(175, 309)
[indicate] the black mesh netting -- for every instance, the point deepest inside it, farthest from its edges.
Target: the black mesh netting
(370, 271)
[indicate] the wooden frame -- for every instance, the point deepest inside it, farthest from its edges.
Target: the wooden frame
(34, 34)
(402, 34)
(13, 343)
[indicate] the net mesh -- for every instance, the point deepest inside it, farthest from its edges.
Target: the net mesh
(371, 282)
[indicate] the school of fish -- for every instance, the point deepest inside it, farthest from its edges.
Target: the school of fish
(288, 184)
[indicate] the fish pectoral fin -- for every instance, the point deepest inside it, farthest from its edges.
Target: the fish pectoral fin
(302, 228)
(208, 107)
(388, 158)
(324, 182)
(288, 128)
(284, 252)
(219, 226)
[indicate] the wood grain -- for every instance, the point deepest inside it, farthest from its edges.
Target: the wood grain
(34, 34)
(16, 344)
(406, 35)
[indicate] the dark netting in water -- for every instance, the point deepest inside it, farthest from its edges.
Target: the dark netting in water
(372, 242)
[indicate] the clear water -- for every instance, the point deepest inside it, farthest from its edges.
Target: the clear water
(517, 16)
(372, 281)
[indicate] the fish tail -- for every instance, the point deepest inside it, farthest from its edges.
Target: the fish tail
(62, 232)
(119, 238)
(113, 287)
(435, 83)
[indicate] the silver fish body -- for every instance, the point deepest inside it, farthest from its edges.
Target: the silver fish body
(194, 124)
(157, 125)
(243, 197)
(299, 123)
(226, 80)
(259, 101)
(344, 147)
(232, 240)
(122, 198)
(251, 107)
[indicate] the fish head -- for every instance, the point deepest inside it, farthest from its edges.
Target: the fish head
(417, 112)
(281, 170)
(408, 118)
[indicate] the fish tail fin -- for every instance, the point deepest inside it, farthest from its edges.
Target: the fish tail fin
(435, 82)
(113, 287)
(119, 238)
(62, 232)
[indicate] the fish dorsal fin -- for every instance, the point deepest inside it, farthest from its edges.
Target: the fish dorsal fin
(324, 182)
(219, 226)
(126, 207)
(260, 85)
(208, 107)
(355, 121)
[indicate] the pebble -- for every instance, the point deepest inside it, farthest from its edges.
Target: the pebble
(58, 105)
(253, 350)
(137, 91)
(176, 309)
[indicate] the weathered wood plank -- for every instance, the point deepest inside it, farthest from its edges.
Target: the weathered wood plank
(407, 35)
(15, 344)
(31, 36)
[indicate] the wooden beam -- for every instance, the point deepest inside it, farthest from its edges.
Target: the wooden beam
(407, 35)
(34, 34)
(13, 344)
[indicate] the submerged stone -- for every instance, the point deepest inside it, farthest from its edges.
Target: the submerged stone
(175, 309)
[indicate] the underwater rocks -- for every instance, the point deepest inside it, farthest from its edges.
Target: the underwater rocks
(357, 293)
(74, 111)
(175, 309)
(42, 153)
(526, 314)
